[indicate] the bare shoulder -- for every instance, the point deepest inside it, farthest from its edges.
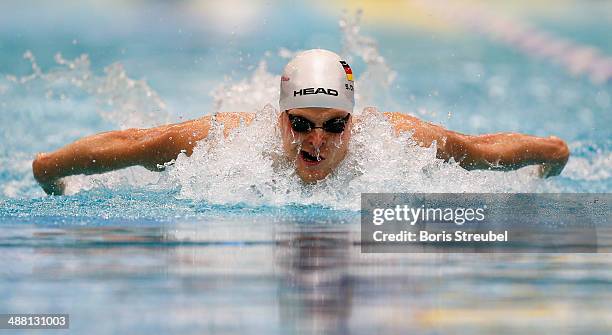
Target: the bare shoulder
(424, 133)
(235, 116)
(168, 140)
(402, 121)
(232, 120)
(184, 134)
(400, 117)
(192, 130)
(195, 126)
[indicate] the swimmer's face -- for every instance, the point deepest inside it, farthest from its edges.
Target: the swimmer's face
(317, 152)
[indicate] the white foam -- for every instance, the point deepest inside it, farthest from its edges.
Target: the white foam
(136, 176)
(250, 94)
(594, 168)
(375, 81)
(249, 167)
(120, 99)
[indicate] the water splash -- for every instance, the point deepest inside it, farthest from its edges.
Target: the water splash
(123, 101)
(375, 82)
(248, 95)
(248, 165)
(68, 89)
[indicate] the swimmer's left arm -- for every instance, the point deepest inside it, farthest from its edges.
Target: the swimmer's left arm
(510, 151)
(502, 152)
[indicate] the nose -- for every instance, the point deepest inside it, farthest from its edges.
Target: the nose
(316, 138)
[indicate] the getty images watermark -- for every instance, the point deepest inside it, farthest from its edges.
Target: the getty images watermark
(523, 222)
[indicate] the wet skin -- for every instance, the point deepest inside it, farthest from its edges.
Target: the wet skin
(329, 148)
(154, 146)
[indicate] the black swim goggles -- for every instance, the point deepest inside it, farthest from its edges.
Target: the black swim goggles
(303, 125)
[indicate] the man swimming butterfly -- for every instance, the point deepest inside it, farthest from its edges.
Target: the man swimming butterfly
(316, 121)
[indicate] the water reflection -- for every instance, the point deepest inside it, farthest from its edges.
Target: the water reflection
(316, 289)
(282, 278)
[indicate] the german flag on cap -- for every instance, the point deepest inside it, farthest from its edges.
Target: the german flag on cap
(347, 69)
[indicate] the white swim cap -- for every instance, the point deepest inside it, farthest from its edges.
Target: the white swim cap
(317, 78)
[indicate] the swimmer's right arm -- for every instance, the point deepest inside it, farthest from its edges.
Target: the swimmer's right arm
(116, 150)
(124, 148)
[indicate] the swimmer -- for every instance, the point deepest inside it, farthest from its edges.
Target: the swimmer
(315, 122)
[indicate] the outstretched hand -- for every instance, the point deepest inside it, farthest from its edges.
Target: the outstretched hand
(50, 184)
(56, 187)
(546, 170)
(559, 155)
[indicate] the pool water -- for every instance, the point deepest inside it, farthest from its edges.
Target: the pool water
(225, 242)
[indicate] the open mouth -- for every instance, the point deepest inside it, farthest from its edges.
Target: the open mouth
(306, 156)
